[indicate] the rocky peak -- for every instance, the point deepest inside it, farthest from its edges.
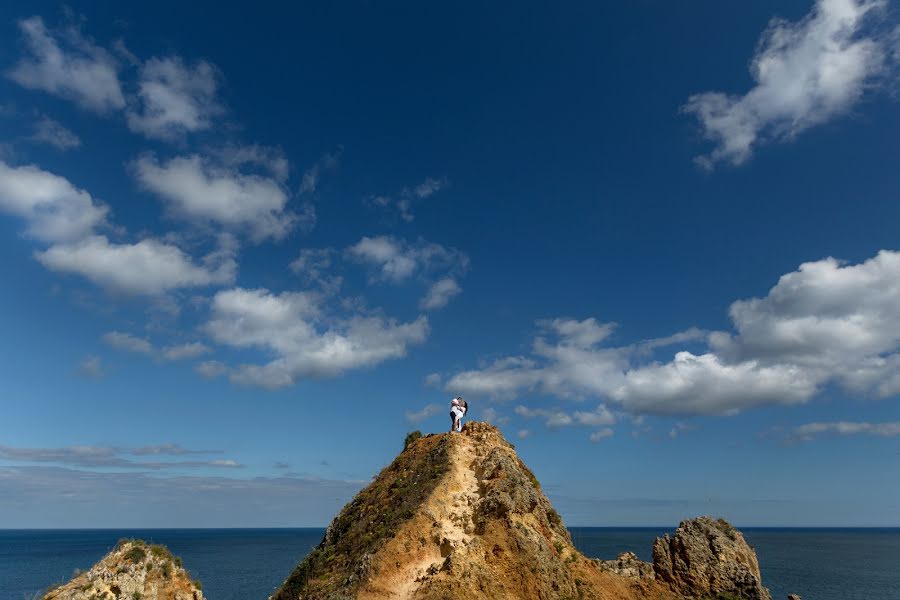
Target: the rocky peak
(133, 570)
(455, 516)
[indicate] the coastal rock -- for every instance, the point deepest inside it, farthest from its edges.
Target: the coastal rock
(461, 516)
(133, 570)
(708, 558)
(455, 516)
(628, 565)
(793, 597)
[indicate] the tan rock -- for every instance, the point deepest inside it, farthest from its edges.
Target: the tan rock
(708, 558)
(475, 524)
(134, 570)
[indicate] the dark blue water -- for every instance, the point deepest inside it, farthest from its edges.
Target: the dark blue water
(247, 564)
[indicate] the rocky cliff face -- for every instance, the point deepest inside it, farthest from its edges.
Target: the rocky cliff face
(460, 516)
(134, 570)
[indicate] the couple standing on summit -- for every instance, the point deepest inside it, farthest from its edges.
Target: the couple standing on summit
(458, 409)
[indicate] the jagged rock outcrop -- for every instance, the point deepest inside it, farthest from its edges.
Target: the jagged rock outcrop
(133, 570)
(708, 558)
(628, 565)
(455, 516)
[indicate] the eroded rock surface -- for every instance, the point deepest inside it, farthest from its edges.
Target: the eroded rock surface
(628, 565)
(708, 558)
(134, 570)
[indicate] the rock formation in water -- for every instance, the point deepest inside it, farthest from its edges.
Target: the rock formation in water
(134, 570)
(708, 558)
(460, 516)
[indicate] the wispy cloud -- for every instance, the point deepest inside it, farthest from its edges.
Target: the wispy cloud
(425, 413)
(53, 133)
(401, 204)
(130, 498)
(114, 457)
(810, 431)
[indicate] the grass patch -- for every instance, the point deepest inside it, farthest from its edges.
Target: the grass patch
(136, 554)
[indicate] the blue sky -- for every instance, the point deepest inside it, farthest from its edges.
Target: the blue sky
(245, 252)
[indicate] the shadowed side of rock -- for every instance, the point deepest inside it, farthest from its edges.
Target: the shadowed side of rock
(343, 561)
(134, 569)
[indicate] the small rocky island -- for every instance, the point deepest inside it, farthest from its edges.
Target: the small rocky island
(134, 570)
(458, 516)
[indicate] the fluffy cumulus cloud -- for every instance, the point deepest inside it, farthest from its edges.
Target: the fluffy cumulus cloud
(54, 210)
(69, 65)
(826, 322)
(66, 217)
(306, 340)
(174, 98)
(206, 191)
(805, 74)
(53, 133)
(148, 267)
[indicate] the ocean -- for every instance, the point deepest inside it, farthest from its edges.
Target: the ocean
(248, 564)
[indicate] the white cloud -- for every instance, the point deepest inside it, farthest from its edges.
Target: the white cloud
(185, 351)
(313, 263)
(200, 191)
(270, 159)
(128, 342)
(427, 412)
(703, 384)
(806, 73)
(175, 98)
(48, 131)
(524, 434)
(429, 187)
(554, 418)
(210, 369)
(602, 434)
(306, 341)
(91, 366)
(433, 380)
(810, 430)
(600, 416)
(148, 267)
(826, 322)
(54, 209)
(402, 203)
(679, 428)
(329, 162)
(396, 260)
(440, 293)
(69, 65)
